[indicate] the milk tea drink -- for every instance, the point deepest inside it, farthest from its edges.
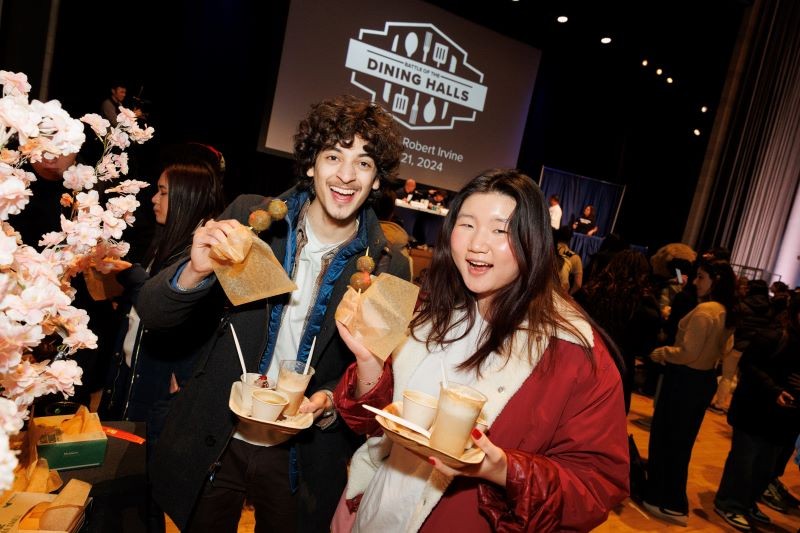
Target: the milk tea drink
(293, 383)
(458, 408)
(251, 382)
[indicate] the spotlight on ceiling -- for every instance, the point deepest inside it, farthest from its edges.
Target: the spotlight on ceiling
(696, 132)
(659, 72)
(644, 62)
(562, 19)
(669, 80)
(605, 40)
(703, 109)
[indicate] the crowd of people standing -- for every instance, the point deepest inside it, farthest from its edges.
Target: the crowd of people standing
(506, 308)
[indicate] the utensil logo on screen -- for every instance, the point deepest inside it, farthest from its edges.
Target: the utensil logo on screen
(417, 72)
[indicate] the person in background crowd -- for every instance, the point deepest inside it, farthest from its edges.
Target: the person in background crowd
(754, 318)
(149, 366)
(497, 320)
(586, 223)
(612, 244)
(717, 252)
(570, 271)
(620, 299)
(437, 198)
(384, 210)
(110, 106)
(206, 464)
(765, 420)
(555, 212)
(408, 192)
(689, 382)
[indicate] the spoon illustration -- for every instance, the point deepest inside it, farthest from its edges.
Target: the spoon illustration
(412, 41)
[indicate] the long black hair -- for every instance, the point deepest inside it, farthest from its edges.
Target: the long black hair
(527, 303)
(195, 196)
(723, 287)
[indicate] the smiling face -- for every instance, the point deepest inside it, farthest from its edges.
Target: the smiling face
(161, 200)
(480, 245)
(343, 178)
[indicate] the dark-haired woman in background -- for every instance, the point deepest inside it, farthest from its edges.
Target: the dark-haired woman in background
(498, 321)
(620, 299)
(150, 366)
(704, 335)
(765, 418)
(586, 223)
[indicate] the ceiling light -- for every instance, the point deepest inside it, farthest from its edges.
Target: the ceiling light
(644, 62)
(562, 19)
(703, 109)
(669, 80)
(605, 40)
(696, 132)
(658, 72)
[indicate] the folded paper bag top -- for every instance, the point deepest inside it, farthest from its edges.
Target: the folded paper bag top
(379, 316)
(247, 268)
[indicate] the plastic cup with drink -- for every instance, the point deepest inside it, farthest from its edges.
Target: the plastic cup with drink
(293, 378)
(456, 414)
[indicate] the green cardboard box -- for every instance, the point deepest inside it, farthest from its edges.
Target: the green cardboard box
(63, 450)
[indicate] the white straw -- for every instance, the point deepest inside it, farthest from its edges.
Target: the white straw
(444, 374)
(239, 351)
(310, 353)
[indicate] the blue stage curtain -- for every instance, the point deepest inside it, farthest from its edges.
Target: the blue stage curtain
(576, 192)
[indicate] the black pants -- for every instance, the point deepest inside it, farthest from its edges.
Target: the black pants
(784, 456)
(255, 473)
(685, 394)
(748, 470)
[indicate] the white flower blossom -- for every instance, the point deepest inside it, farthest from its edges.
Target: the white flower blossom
(35, 288)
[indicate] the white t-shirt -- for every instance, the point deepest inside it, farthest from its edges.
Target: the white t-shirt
(555, 216)
(397, 486)
(293, 322)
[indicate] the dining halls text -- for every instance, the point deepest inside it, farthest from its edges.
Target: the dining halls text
(432, 149)
(402, 73)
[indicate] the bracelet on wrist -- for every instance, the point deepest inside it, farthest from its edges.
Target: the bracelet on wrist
(367, 383)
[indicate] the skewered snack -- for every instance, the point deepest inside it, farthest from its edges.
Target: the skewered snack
(365, 264)
(360, 281)
(277, 209)
(259, 220)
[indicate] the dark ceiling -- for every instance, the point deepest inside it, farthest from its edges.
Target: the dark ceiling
(209, 66)
(597, 111)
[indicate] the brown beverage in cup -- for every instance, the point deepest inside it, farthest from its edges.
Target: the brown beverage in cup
(293, 383)
(458, 408)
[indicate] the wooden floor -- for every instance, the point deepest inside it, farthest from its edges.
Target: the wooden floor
(705, 471)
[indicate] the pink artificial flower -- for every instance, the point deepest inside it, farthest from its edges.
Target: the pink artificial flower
(8, 245)
(65, 374)
(98, 124)
(78, 177)
(14, 195)
(122, 205)
(119, 139)
(112, 226)
(87, 199)
(14, 83)
(129, 187)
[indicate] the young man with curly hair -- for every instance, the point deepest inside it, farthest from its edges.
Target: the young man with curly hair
(207, 463)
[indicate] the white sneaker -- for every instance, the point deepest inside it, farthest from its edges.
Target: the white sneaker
(668, 515)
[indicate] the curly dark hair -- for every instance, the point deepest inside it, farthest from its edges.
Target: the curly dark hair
(338, 121)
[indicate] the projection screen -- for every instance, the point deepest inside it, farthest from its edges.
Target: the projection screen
(459, 91)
